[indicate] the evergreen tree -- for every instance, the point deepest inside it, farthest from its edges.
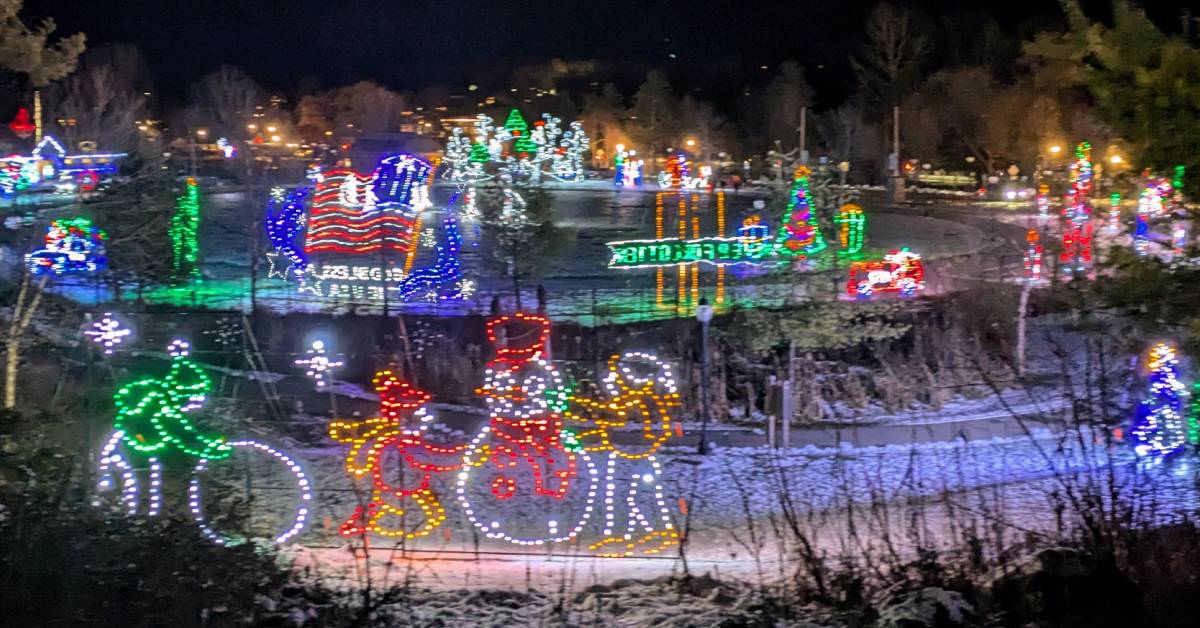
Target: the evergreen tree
(800, 232)
(1159, 428)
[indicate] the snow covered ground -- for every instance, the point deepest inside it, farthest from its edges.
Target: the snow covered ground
(732, 503)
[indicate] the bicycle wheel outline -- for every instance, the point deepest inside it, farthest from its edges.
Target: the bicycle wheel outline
(299, 520)
(112, 457)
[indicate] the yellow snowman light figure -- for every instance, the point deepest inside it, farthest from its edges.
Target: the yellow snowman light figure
(640, 390)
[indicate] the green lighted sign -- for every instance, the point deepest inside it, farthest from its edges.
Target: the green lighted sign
(672, 252)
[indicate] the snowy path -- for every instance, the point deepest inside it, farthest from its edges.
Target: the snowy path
(734, 496)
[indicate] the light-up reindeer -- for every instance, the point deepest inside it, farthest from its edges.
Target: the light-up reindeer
(403, 502)
(641, 392)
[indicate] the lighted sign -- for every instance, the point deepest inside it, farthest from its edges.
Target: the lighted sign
(674, 251)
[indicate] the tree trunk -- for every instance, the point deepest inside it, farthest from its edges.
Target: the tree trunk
(516, 278)
(21, 317)
(1021, 315)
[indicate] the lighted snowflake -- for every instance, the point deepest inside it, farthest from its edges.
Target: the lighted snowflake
(318, 364)
(428, 238)
(227, 333)
(466, 289)
(107, 332)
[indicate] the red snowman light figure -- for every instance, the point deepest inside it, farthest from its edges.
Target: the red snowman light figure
(525, 480)
(403, 501)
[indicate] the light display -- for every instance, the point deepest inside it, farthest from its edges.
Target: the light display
(1043, 201)
(515, 124)
(852, 227)
(303, 489)
(72, 245)
(640, 392)
(627, 167)
(753, 230)
(1033, 256)
(523, 452)
(1155, 198)
(49, 165)
(21, 125)
(517, 150)
(1159, 427)
(228, 149)
(285, 222)
(152, 412)
(1179, 236)
(678, 174)
(900, 271)
(107, 332)
(1076, 254)
(442, 281)
(403, 501)
(152, 421)
(185, 224)
(317, 364)
(1114, 212)
(346, 218)
(799, 235)
(352, 215)
(673, 252)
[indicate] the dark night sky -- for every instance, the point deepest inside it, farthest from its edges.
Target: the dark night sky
(406, 44)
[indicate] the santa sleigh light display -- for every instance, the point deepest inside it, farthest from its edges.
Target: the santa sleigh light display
(359, 238)
(900, 272)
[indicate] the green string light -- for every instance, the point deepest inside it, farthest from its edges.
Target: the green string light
(152, 412)
(800, 233)
(852, 222)
(185, 249)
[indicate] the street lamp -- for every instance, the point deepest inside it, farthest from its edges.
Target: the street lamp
(704, 314)
(201, 134)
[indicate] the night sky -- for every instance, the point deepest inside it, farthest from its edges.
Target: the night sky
(405, 44)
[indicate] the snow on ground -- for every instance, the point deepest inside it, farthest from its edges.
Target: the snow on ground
(727, 494)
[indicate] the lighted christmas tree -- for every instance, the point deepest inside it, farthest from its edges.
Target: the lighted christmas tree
(185, 249)
(525, 147)
(1159, 427)
(515, 124)
(800, 233)
(478, 154)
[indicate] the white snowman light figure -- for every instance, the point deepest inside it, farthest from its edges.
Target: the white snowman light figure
(523, 479)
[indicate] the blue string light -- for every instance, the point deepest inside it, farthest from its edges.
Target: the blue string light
(285, 221)
(444, 278)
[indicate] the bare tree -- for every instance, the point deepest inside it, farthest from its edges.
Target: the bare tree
(786, 96)
(223, 102)
(29, 52)
(367, 107)
(886, 67)
(22, 316)
(103, 100)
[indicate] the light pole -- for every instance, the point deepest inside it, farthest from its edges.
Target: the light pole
(704, 314)
(200, 135)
